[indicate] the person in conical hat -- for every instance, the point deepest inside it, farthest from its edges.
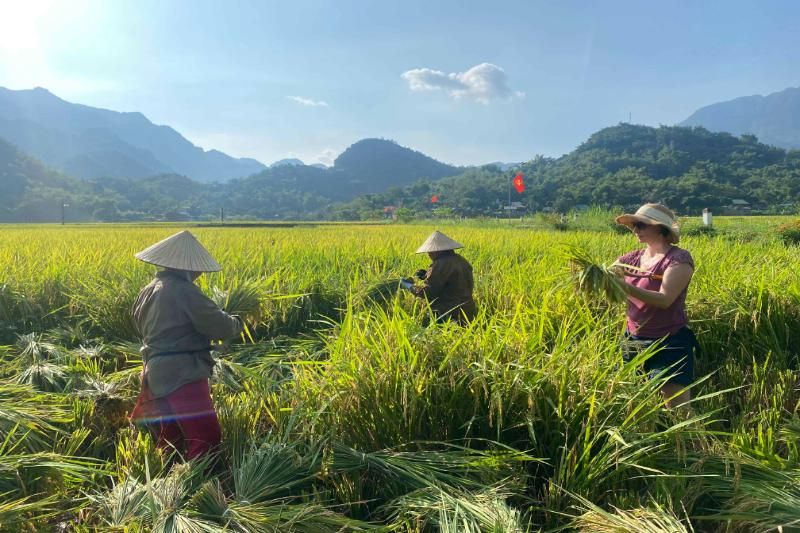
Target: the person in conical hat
(447, 284)
(182, 252)
(176, 323)
(657, 279)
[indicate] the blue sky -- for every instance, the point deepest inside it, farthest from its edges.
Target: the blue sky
(464, 81)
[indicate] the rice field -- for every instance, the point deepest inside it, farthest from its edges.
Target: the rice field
(340, 412)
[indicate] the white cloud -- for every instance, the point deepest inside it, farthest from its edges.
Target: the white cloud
(308, 101)
(481, 83)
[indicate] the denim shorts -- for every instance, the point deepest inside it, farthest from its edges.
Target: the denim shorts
(676, 355)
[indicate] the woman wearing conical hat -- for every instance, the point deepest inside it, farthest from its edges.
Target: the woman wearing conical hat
(177, 323)
(448, 282)
(656, 287)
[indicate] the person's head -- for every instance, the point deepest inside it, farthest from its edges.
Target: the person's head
(435, 255)
(652, 224)
(182, 254)
(188, 275)
(438, 244)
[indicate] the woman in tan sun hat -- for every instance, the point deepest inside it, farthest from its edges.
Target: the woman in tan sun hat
(656, 287)
(177, 323)
(448, 282)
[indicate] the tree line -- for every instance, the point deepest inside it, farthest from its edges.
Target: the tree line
(621, 166)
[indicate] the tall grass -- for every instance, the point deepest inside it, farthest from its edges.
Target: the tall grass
(341, 412)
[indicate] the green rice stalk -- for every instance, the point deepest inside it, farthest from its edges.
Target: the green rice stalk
(243, 299)
(381, 293)
(654, 519)
(594, 278)
(454, 511)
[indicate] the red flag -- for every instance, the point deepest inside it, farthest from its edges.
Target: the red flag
(518, 183)
(434, 198)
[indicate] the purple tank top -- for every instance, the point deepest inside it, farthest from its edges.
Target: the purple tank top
(647, 320)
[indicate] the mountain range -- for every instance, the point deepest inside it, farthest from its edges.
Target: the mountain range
(503, 166)
(620, 166)
(89, 142)
(292, 162)
(105, 169)
(31, 191)
(92, 143)
(774, 119)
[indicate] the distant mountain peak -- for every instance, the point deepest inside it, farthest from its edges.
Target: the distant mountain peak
(91, 142)
(290, 162)
(369, 147)
(774, 118)
(503, 166)
(374, 165)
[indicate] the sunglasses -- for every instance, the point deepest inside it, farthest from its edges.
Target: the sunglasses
(639, 225)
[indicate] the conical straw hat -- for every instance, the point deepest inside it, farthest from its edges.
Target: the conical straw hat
(181, 251)
(438, 242)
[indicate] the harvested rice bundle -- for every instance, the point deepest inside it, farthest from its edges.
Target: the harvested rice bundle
(381, 292)
(243, 299)
(595, 278)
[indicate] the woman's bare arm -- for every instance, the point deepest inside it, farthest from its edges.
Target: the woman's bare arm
(676, 279)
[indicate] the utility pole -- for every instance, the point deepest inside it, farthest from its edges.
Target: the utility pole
(63, 206)
(508, 207)
(222, 215)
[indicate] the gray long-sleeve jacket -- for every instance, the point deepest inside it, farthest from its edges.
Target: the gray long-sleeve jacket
(173, 316)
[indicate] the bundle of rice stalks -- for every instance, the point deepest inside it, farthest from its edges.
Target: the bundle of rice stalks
(243, 299)
(30, 421)
(449, 468)
(594, 278)
(33, 349)
(458, 511)
(110, 407)
(655, 520)
(381, 292)
(45, 377)
(17, 512)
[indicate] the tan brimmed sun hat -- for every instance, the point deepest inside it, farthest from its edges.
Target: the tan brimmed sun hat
(654, 214)
(181, 251)
(438, 242)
